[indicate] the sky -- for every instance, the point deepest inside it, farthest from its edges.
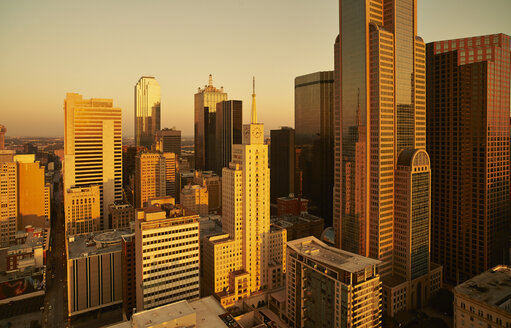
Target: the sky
(100, 48)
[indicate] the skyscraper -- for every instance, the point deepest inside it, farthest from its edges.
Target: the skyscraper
(167, 255)
(168, 141)
(239, 261)
(8, 202)
(147, 111)
(149, 177)
(381, 116)
(229, 119)
(282, 166)
(171, 170)
(3, 130)
(314, 140)
(93, 148)
(468, 140)
(205, 124)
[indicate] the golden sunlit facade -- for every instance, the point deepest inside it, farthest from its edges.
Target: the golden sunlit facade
(147, 111)
(149, 177)
(8, 202)
(93, 148)
(82, 210)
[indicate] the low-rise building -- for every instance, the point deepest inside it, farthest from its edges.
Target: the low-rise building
(121, 214)
(195, 198)
(291, 205)
(82, 209)
(94, 271)
(300, 226)
(484, 300)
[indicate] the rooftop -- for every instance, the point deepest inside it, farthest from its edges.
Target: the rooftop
(203, 313)
(318, 251)
(95, 243)
(288, 220)
(492, 287)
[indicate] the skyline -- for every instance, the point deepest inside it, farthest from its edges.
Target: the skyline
(39, 50)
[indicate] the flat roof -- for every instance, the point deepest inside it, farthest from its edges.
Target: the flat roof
(86, 245)
(316, 250)
(492, 287)
(207, 311)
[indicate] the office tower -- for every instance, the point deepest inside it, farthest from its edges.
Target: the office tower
(149, 177)
(282, 164)
(214, 185)
(94, 277)
(3, 130)
(129, 155)
(205, 124)
(33, 193)
(92, 148)
(129, 281)
(195, 198)
(314, 140)
(82, 210)
(380, 133)
(239, 261)
(468, 140)
(483, 300)
(168, 141)
(8, 202)
(122, 214)
(167, 255)
(229, 119)
(147, 111)
(171, 169)
(291, 205)
(329, 287)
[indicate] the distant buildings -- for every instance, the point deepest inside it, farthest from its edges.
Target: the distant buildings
(167, 255)
(147, 111)
(93, 148)
(329, 287)
(82, 210)
(314, 140)
(150, 182)
(484, 300)
(168, 141)
(206, 100)
(229, 119)
(195, 198)
(282, 166)
(3, 130)
(468, 132)
(94, 271)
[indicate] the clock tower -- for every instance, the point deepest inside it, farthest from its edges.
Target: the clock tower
(253, 133)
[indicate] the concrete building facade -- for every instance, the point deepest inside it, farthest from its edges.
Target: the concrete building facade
(82, 210)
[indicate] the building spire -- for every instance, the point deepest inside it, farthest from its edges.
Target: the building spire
(254, 111)
(210, 80)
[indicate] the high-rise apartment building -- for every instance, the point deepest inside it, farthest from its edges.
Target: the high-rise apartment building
(93, 148)
(3, 130)
(382, 179)
(147, 111)
(282, 167)
(468, 86)
(82, 210)
(240, 261)
(8, 202)
(329, 287)
(314, 140)
(149, 177)
(229, 121)
(206, 100)
(168, 141)
(167, 255)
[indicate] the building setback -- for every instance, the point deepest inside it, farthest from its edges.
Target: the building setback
(468, 140)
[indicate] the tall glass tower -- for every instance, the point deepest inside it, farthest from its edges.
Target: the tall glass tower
(147, 111)
(380, 78)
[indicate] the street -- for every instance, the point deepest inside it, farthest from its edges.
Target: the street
(55, 303)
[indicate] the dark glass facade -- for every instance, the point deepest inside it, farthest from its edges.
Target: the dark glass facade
(282, 166)
(229, 121)
(314, 101)
(169, 141)
(468, 140)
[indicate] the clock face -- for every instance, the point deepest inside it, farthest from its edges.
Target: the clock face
(256, 133)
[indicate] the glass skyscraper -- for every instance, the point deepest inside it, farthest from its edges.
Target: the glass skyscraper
(147, 111)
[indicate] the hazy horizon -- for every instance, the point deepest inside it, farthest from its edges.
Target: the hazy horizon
(101, 48)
